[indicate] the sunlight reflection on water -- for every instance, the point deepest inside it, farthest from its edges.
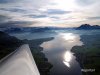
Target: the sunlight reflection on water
(67, 58)
(68, 36)
(68, 55)
(58, 52)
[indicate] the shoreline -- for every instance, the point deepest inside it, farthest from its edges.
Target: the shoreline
(39, 56)
(9, 44)
(87, 54)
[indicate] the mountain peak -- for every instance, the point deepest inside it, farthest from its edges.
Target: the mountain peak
(88, 26)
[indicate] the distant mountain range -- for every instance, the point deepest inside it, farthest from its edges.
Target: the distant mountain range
(88, 27)
(47, 29)
(32, 29)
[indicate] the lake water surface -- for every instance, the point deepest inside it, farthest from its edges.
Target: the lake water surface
(58, 51)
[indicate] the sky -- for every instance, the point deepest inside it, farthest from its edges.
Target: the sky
(59, 13)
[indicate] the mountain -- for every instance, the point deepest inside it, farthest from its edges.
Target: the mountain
(13, 30)
(8, 40)
(88, 27)
(8, 44)
(40, 29)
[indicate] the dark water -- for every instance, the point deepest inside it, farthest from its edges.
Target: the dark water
(58, 50)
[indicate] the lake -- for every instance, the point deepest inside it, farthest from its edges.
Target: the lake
(58, 51)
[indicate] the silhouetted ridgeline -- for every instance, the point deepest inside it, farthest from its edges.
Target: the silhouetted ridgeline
(32, 29)
(9, 44)
(26, 29)
(46, 29)
(88, 27)
(11, 30)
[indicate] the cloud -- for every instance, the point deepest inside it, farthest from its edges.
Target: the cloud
(4, 18)
(37, 16)
(13, 9)
(7, 1)
(86, 2)
(57, 11)
(46, 12)
(94, 18)
(55, 17)
(18, 23)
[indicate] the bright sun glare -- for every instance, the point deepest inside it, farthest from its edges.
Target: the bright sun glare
(68, 37)
(65, 4)
(67, 58)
